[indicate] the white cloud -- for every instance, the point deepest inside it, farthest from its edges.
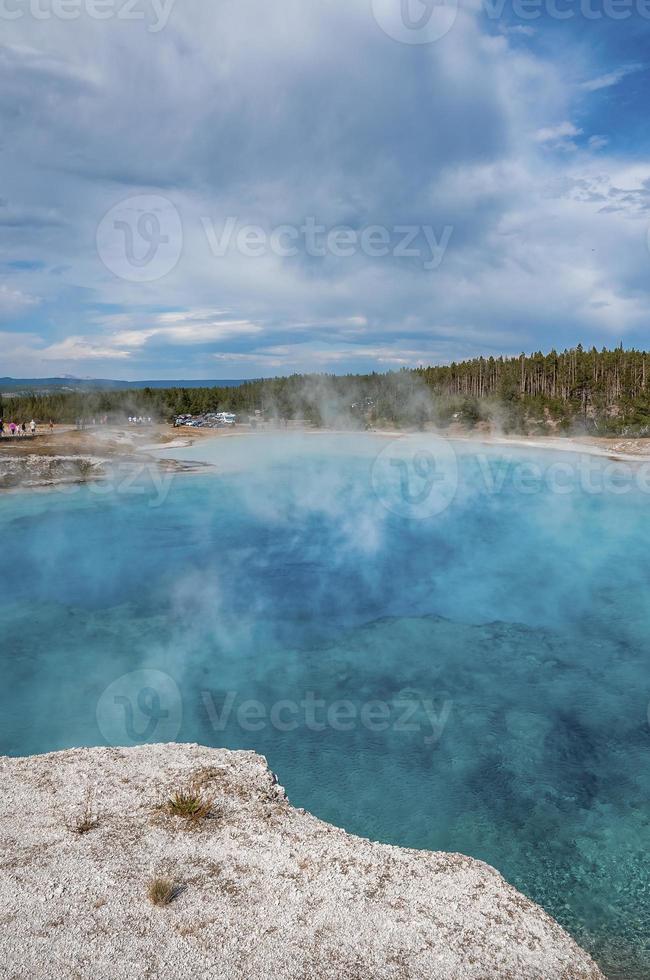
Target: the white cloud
(559, 135)
(80, 349)
(15, 303)
(517, 29)
(610, 78)
(183, 328)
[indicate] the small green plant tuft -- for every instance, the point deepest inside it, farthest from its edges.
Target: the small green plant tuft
(190, 802)
(161, 891)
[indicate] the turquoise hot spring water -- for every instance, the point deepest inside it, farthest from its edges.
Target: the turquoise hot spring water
(469, 676)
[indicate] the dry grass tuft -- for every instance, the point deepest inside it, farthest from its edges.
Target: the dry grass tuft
(161, 891)
(85, 818)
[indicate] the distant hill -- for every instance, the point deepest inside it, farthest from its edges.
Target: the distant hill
(43, 385)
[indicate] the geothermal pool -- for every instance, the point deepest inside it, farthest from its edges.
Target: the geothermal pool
(464, 671)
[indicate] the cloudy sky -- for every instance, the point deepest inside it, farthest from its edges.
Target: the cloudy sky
(241, 188)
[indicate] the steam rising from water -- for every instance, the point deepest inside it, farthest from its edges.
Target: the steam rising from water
(512, 625)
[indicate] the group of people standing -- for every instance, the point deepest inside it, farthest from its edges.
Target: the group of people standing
(17, 429)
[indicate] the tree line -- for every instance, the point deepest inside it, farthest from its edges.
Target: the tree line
(606, 391)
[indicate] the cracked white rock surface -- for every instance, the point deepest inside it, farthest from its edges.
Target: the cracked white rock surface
(265, 890)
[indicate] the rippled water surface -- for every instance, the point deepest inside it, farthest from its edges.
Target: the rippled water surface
(474, 680)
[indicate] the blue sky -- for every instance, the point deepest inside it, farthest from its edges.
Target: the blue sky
(241, 188)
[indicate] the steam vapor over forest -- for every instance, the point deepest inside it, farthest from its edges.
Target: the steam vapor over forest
(605, 392)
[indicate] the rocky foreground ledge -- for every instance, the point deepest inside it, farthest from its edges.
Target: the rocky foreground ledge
(262, 889)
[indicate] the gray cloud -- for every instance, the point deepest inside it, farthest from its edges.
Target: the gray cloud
(277, 114)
